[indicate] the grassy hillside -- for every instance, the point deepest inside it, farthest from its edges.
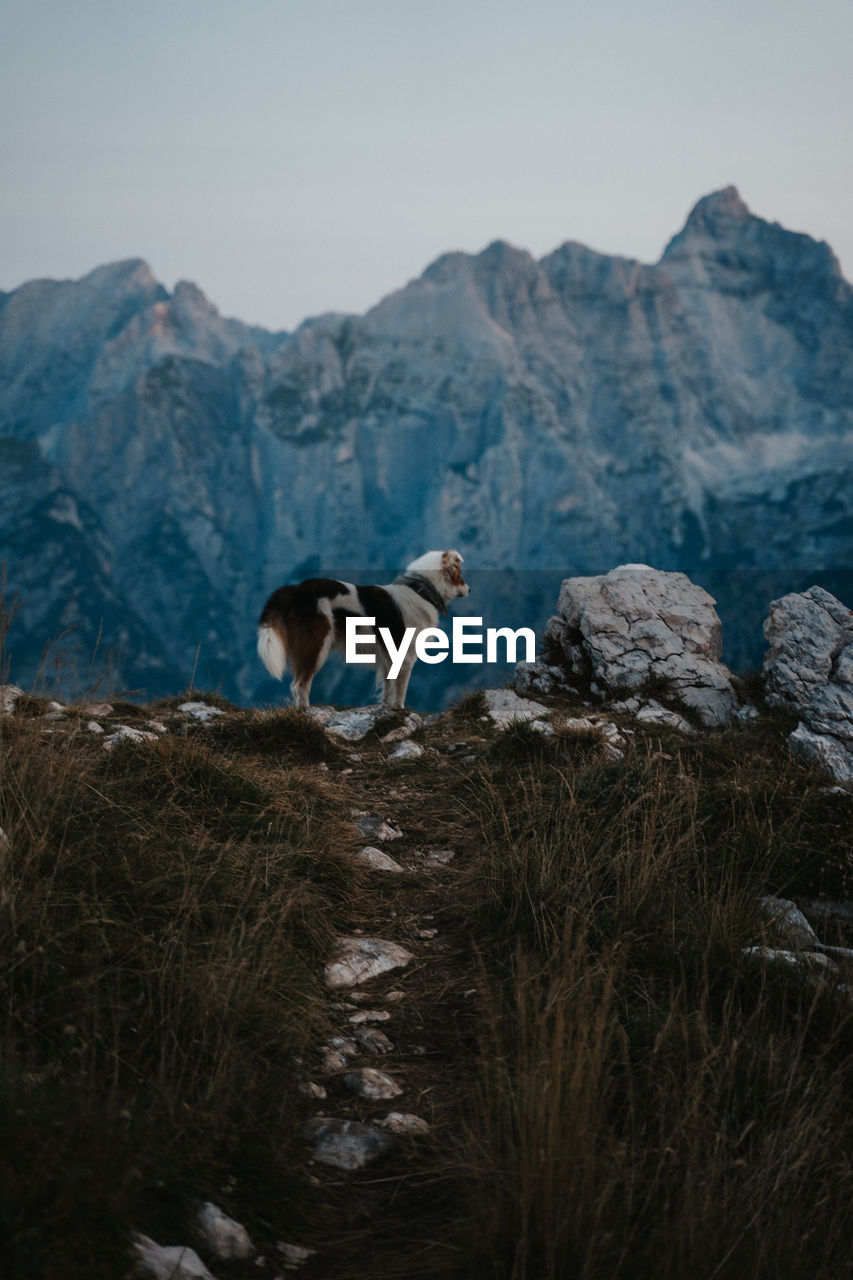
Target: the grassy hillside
(614, 1089)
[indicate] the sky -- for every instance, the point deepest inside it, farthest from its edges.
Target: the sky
(299, 156)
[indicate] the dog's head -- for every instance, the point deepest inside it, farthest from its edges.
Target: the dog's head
(444, 570)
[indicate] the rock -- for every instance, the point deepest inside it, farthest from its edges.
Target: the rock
(345, 1144)
(808, 669)
(223, 1236)
(9, 695)
(437, 858)
(636, 624)
(410, 725)
(100, 710)
(359, 959)
(823, 749)
(373, 827)
(343, 1045)
(654, 713)
(367, 1082)
(200, 711)
(747, 713)
(377, 860)
(504, 707)
(815, 961)
(156, 726)
(407, 751)
(363, 1016)
(352, 724)
(404, 1123)
(168, 1262)
(309, 1089)
(126, 733)
(538, 677)
(293, 1256)
(427, 933)
(790, 922)
(94, 727)
(373, 1041)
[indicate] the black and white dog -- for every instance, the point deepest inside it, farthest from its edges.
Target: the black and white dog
(300, 625)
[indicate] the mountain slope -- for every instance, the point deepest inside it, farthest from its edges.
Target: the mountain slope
(563, 414)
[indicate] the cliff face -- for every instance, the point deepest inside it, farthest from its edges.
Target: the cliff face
(164, 468)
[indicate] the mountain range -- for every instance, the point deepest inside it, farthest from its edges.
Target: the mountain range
(162, 469)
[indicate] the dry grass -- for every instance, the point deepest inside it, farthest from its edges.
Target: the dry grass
(163, 912)
(648, 1104)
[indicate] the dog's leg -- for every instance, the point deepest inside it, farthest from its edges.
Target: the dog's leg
(395, 690)
(308, 656)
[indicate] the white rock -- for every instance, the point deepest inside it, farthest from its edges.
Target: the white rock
(9, 695)
(654, 713)
(4, 841)
(504, 706)
(373, 1041)
(410, 725)
(224, 1237)
(157, 726)
(294, 1256)
(168, 1262)
(200, 711)
(94, 727)
(404, 1123)
(126, 733)
(98, 709)
(407, 751)
(345, 1144)
(377, 860)
(363, 1016)
(359, 959)
(368, 1082)
(637, 623)
(789, 921)
(352, 724)
(794, 959)
(747, 713)
(437, 858)
(809, 669)
(310, 1089)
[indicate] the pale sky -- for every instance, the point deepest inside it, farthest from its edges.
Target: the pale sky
(298, 157)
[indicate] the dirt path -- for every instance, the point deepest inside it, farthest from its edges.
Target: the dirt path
(403, 1215)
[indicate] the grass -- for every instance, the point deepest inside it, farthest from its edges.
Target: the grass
(163, 915)
(648, 1103)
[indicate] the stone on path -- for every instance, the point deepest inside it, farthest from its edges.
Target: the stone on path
(345, 1144)
(407, 751)
(404, 1123)
(351, 724)
(504, 707)
(357, 960)
(203, 712)
(377, 860)
(368, 1082)
(224, 1237)
(168, 1262)
(374, 827)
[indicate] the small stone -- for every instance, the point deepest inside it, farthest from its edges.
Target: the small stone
(427, 933)
(359, 959)
(377, 860)
(404, 1123)
(98, 709)
(4, 841)
(156, 726)
(373, 1040)
(224, 1237)
(94, 727)
(368, 1082)
(200, 711)
(126, 733)
(373, 827)
(504, 707)
(407, 751)
(345, 1144)
(309, 1089)
(410, 725)
(168, 1262)
(352, 724)
(294, 1255)
(364, 1016)
(438, 857)
(394, 997)
(654, 713)
(343, 1045)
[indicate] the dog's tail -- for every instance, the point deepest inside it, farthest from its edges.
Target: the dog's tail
(271, 650)
(272, 632)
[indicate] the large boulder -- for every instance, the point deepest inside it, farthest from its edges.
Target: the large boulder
(808, 669)
(637, 628)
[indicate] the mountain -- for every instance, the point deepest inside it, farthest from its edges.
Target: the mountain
(163, 468)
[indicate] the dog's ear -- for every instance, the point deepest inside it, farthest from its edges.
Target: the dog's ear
(451, 562)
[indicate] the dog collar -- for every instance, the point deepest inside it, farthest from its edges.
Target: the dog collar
(422, 587)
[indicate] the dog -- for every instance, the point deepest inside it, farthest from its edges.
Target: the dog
(300, 625)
